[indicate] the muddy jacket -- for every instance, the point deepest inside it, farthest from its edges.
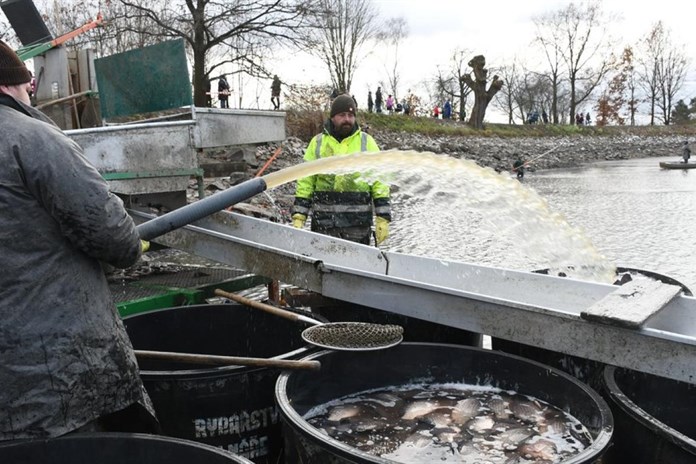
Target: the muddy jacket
(340, 200)
(65, 357)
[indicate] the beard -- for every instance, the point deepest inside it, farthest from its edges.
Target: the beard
(344, 130)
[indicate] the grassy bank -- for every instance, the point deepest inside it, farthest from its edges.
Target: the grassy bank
(307, 124)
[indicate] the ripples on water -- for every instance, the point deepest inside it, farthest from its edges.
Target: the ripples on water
(635, 213)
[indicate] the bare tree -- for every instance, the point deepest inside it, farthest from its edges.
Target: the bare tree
(661, 71)
(241, 32)
(482, 92)
(507, 100)
(578, 33)
(118, 33)
(449, 84)
(671, 74)
(343, 28)
(632, 100)
(391, 36)
(550, 38)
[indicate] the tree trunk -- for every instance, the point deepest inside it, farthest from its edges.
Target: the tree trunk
(482, 96)
(199, 79)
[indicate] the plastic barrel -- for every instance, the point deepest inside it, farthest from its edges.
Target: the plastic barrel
(345, 373)
(586, 370)
(415, 330)
(114, 448)
(654, 418)
(231, 407)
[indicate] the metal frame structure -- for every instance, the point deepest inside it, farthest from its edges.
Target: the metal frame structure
(524, 307)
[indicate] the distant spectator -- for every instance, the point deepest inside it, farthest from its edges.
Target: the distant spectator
(436, 112)
(275, 92)
(578, 119)
(223, 92)
(334, 94)
(378, 100)
(545, 116)
(370, 102)
(390, 104)
(588, 120)
(406, 106)
(447, 110)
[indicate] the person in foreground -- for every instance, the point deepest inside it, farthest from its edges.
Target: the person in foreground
(66, 362)
(342, 205)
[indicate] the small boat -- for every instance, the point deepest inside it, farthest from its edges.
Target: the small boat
(677, 165)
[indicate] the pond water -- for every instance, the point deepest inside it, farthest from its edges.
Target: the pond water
(636, 214)
(632, 212)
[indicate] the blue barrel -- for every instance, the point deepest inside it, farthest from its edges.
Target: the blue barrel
(114, 448)
(345, 373)
(654, 418)
(231, 407)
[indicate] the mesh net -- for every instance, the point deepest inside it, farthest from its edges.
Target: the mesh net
(354, 335)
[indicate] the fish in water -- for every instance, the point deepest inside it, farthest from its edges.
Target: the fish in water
(499, 407)
(513, 437)
(419, 408)
(526, 411)
(539, 450)
(343, 411)
(480, 424)
(465, 410)
(421, 424)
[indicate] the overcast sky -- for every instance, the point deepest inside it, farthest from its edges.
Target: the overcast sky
(500, 30)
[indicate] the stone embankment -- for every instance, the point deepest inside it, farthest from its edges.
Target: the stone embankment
(494, 152)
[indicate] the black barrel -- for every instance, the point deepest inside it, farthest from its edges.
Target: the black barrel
(654, 418)
(345, 373)
(114, 448)
(586, 370)
(415, 330)
(232, 407)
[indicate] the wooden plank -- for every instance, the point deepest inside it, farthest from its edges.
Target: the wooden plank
(632, 304)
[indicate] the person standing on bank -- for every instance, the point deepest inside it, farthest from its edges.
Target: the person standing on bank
(275, 92)
(66, 362)
(378, 100)
(342, 205)
(223, 92)
(370, 102)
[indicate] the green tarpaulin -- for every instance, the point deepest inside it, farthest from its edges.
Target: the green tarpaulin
(153, 78)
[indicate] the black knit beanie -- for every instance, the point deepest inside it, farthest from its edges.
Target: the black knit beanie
(12, 70)
(342, 104)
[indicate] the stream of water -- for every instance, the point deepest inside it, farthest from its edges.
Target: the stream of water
(450, 208)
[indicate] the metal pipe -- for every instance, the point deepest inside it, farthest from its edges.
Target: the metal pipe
(200, 209)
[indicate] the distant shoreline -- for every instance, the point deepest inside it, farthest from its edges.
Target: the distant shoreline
(563, 152)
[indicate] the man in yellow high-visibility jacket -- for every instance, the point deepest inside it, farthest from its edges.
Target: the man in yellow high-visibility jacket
(342, 205)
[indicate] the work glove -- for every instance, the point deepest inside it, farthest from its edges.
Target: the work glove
(298, 220)
(381, 229)
(144, 246)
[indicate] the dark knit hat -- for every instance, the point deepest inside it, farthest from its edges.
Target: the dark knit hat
(342, 104)
(12, 70)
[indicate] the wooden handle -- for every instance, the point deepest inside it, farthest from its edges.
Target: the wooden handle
(216, 360)
(264, 307)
